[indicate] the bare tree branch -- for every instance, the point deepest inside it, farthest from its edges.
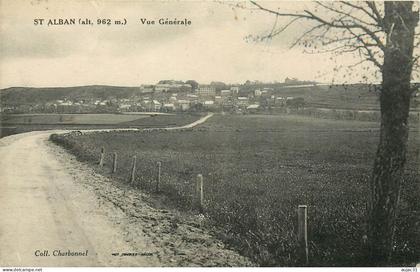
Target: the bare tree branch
(363, 36)
(351, 27)
(306, 33)
(376, 13)
(280, 30)
(279, 13)
(328, 41)
(370, 53)
(347, 14)
(344, 25)
(360, 8)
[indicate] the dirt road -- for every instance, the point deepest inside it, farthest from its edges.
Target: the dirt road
(52, 205)
(42, 208)
(191, 125)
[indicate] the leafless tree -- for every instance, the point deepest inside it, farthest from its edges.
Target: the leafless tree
(382, 33)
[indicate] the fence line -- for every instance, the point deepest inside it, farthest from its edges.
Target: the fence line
(133, 170)
(101, 159)
(198, 201)
(199, 194)
(114, 163)
(159, 166)
(303, 233)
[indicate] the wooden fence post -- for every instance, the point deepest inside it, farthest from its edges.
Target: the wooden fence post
(199, 195)
(159, 166)
(101, 160)
(114, 162)
(303, 232)
(133, 170)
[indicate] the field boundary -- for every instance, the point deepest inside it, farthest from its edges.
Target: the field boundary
(191, 125)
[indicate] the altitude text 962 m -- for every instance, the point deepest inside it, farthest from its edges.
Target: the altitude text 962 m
(78, 21)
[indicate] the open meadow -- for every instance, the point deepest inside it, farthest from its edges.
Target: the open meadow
(69, 119)
(257, 169)
(17, 123)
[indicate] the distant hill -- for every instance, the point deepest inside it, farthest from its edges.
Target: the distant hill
(351, 96)
(348, 96)
(25, 95)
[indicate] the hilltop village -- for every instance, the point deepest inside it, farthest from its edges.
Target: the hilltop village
(172, 96)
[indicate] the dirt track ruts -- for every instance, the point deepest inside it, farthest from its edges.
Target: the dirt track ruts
(50, 201)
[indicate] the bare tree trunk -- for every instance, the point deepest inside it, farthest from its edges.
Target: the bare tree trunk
(388, 170)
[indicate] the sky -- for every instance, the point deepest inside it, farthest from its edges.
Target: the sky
(212, 48)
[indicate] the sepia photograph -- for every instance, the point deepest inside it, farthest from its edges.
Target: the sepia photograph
(228, 134)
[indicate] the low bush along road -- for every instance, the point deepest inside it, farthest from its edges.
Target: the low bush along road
(54, 207)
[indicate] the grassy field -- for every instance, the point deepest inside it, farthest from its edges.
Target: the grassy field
(18, 123)
(352, 97)
(69, 119)
(257, 170)
(348, 97)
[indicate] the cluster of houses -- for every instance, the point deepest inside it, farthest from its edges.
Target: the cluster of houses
(169, 96)
(208, 98)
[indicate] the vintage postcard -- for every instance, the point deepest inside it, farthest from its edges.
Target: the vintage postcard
(209, 134)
